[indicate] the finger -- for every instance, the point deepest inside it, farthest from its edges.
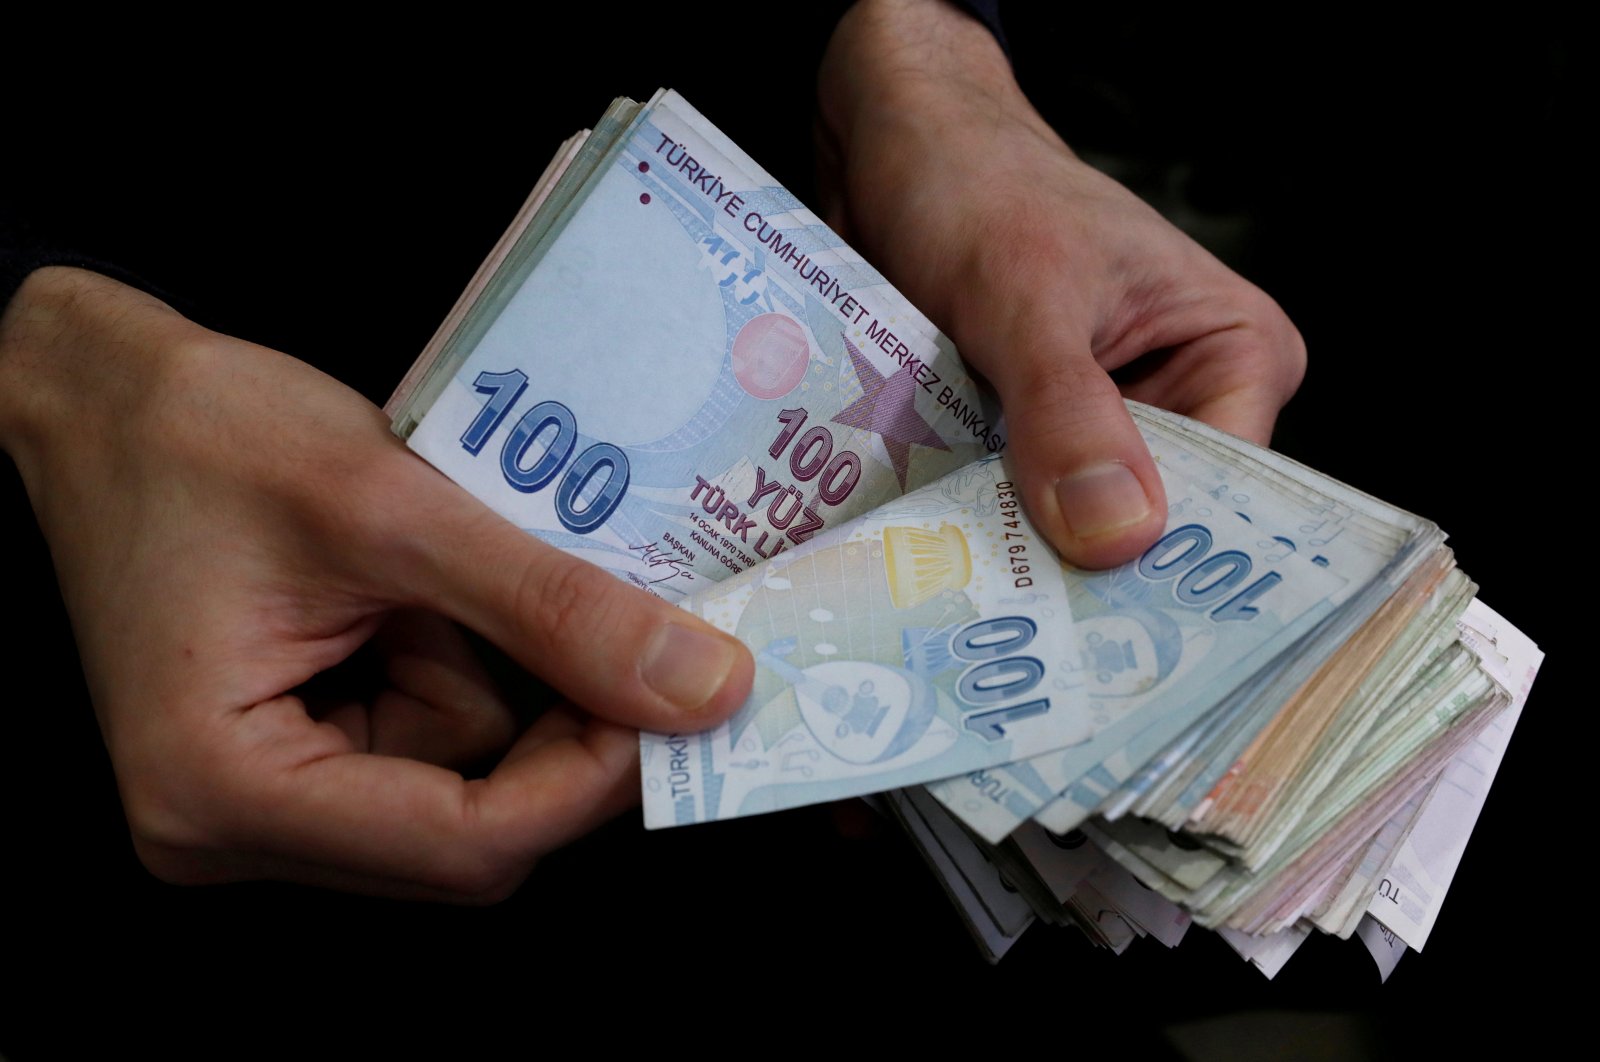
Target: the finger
(560, 722)
(306, 809)
(442, 707)
(1087, 478)
(622, 653)
(1236, 379)
(416, 690)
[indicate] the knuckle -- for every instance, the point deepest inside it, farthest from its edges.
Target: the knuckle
(176, 866)
(550, 597)
(484, 870)
(159, 816)
(1277, 349)
(1065, 378)
(478, 729)
(1057, 394)
(558, 599)
(1294, 361)
(197, 796)
(172, 833)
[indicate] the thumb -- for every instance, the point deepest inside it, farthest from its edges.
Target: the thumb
(619, 652)
(1087, 479)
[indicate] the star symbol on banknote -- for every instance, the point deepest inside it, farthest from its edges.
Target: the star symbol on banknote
(886, 409)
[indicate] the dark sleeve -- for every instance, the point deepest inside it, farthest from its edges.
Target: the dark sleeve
(22, 250)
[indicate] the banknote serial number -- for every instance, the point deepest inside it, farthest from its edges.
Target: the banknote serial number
(539, 448)
(1016, 554)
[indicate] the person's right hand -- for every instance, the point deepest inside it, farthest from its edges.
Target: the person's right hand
(226, 523)
(1049, 276)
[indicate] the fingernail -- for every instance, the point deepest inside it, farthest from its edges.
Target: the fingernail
(688, 666)
(1101, 499)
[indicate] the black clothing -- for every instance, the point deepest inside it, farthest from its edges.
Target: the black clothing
(332, 199)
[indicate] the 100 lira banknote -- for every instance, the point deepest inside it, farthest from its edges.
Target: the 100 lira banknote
(929, 637)
(688, 373)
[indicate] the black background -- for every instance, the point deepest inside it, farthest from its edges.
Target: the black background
(1404, 190)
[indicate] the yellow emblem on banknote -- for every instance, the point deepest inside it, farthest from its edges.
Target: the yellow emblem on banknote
(921, 563)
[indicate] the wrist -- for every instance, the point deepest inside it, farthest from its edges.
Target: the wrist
(909, 61)
(62, 326)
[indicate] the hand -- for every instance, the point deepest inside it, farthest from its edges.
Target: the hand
(1047, 274)
(227, 523)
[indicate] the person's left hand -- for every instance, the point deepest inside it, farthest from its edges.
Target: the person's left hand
(1046, 273)
(229, 527)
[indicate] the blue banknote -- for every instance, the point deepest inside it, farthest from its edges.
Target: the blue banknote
(1161, 641)
(686, 373)
(930, 636)
(1347, 548)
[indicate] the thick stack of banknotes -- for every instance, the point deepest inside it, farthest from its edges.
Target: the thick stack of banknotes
(1282, 717)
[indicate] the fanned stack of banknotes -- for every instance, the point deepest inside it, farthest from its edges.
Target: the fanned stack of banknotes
(1284, 716)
